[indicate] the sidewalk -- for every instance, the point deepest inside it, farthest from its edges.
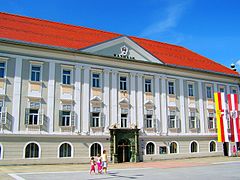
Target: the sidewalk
(4, 170)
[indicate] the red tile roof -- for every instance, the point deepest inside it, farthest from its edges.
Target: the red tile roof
(15, 27)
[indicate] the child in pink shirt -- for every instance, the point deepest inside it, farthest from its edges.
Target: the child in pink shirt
(92, 165)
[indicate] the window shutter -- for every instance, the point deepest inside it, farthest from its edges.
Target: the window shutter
(198, 123)
(60, 118)
(4, 115)
(72, 114)
(41, 116)
(27, 116)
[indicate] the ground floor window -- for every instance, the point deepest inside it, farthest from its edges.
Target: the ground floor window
(162, 150)
(65, 150)
(150, 148)
(173, 147)
(194, 147)
(32, 151)
(95, 149)
(212, 146)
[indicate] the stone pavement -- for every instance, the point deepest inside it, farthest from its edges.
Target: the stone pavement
(5, 170)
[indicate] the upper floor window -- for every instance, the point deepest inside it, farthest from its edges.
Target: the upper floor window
(2, 70)
(221, 89)
(35, 73)
(66, 76)
(171, 87)
(172, 119)
(149, 119)
(190, 90)
(66, 115)
(209, 92)
(233, 91)
(192, 120)
(211, 120)
(34, 115)
(96, 80)
(123, 83)
(148, 85)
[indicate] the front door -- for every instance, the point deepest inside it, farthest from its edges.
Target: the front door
(124, 151)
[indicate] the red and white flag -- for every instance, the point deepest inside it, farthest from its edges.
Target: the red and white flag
(234, 117)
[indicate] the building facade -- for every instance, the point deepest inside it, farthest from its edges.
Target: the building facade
(67, 93)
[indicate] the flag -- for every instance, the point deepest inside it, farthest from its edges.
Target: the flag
(221, 116)
(234, 119)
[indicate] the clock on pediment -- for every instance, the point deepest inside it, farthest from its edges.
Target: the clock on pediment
(124, 53)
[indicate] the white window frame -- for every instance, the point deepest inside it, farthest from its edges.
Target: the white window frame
(37, 64)
(124, 120)
(190, 147)
(193, 89)
(96, 120)
(89, 149)
(5, 69)
(120, 82)
(191, 120)
(211, 93)
(213, 120)
(155, 148)
(97, 79)
(173, 120)
(39, 148)
(216, 150)
(66, 108)
(37, 106)
(148, 87)
(70, 75)
(174, 87)
(177, 147)
(72, 150)
(149, 120)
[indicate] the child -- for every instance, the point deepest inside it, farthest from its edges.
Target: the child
(92, 165)
(99, 164)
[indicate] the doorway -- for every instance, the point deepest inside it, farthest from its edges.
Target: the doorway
(124, 154)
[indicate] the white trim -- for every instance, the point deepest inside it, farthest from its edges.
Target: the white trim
(190, 147)
(106, 99)
(193, 86)
(66, 68)
(177, 147)
(133, 99)
(164, 105)
(157, 102)
(155, 147)
(96, 142)
(216, 150)
(30, 71)
(114, 98)
(182, 106)
(1, 151)
(100, 78)
(139, 101)
(174, 86)
(17, 94)
(39, 149)
(201, 108)
(129, 42)
(58, 149)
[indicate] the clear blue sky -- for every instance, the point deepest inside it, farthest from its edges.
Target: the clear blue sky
(208, 27)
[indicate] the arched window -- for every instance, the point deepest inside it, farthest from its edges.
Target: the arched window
(212, 146)
(32, 151)
(194, 147)
(150, 148)
(173, 147)
(65, 150)
(95, 149)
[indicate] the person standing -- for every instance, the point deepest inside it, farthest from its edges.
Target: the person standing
(104, 161)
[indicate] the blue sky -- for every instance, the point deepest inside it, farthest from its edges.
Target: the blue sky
(208, 27)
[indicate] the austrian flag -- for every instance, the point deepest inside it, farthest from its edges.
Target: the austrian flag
(221, 116)
(234, 118)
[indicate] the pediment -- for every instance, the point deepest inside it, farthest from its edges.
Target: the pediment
(122, 47)
(96, 101)
(149, 105)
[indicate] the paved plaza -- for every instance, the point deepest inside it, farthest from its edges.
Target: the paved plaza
(196, 168)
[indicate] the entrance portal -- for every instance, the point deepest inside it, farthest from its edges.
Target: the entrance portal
(124, 151)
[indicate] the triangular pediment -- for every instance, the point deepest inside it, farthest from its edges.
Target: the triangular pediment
(122, 47)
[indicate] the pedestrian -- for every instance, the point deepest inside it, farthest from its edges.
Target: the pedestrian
(104, 161)
(234, 150)
(92, 165)
(99, 163)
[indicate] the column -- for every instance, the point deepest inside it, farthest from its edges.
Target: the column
(157, 102)
(85, 100)
(51, 93)
(164, 105)
(201, 108)
(182, 107)
(133, 98)
(77, 97)
(140, 101)
(106, 95)
(17, 94)
(114, 98)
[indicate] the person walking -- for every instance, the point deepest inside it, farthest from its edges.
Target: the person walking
(99, 163)
(92, 165)
(104, 161)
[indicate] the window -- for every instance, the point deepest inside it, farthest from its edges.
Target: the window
(221, 89)
(190, 90)
(96, 80)
(32, 151)
(2, 70)
(124, 120)
(35, 73)
(148, 119)
(211, 121)
(162, 150)
(233, 91)
(65, 150)
(95, 119)
(33, 117)
(171, 88)
(150, 148)
(209, 92)
(95, 149)
(123, 83)
(173, 147)
(3, 113)
(148, 85)
(65, 118)
(194, 147)
(192, 120)
(66, 76)
(212, 146)
(172, 119)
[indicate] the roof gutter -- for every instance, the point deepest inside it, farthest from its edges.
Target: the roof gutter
(59, 48)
